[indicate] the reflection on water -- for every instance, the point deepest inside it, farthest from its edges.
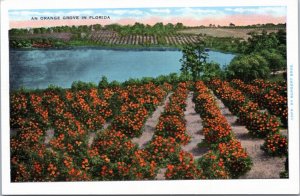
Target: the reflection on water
(40, 68)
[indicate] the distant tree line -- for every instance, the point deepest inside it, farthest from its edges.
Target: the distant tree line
(136, 29)
(142, 29)
(234, 26)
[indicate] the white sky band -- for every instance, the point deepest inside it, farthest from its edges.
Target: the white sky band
(187, 15)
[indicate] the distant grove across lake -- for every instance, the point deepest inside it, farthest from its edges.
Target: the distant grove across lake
(222, 38)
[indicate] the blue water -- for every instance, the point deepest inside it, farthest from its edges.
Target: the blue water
(40, 68)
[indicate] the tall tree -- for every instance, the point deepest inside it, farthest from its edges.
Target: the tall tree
(193, 61)
(248, 67)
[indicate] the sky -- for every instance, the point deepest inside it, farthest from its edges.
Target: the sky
(186, 15)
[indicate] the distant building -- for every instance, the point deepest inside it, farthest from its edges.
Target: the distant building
(82, 35)
(30, 31)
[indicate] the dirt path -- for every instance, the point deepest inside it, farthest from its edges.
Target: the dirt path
(150, 125)
(49, 136)
(92, 135)
(193, 127)
(161, 174)
(284, 132)
(264, 166)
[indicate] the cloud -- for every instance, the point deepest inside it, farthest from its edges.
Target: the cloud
(80, 13)
(123, 12)
(200, 13)
(161, 11)
(33, 13)
(274, 11)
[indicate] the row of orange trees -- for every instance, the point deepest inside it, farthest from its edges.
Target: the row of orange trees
(227, 156)
(259, 123)
(172, 127)
(268, 95)
(136, 105)
(73, 114)
(113, 156)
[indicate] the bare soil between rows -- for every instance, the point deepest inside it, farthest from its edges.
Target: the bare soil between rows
(264, 166)
(193, 127)
(151, 122)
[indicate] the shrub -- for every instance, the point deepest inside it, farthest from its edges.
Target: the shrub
(248, 67)
(172, 126)
(276, 145)
(236, 159)
(261, 124)
(114, 157)
(245, 110)
(217, 130)
(184, 168)
(130, 123)
(163, 150)
(212, 166)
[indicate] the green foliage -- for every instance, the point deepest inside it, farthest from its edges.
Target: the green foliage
(258, 42)
(258, 62)
(161, 40)
(193, 61)
(79, 85)
(28, 43)
(275, 145)
(248, 67)
(114, 83)
(20, 43)
(52, 88)
(263, 53)
(18, 32)
(103, 83)
(211, 70)
(213, 166)
(228, 44)
(58, 44)
(157, 29)
(281, 36)
(276, 61)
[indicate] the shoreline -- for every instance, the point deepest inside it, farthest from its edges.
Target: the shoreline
(118, 48)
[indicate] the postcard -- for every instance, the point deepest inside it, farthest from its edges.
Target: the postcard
(149, 97)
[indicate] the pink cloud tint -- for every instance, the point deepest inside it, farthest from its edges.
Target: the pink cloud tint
(236, 19)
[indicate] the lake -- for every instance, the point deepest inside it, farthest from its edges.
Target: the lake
(60, 67)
